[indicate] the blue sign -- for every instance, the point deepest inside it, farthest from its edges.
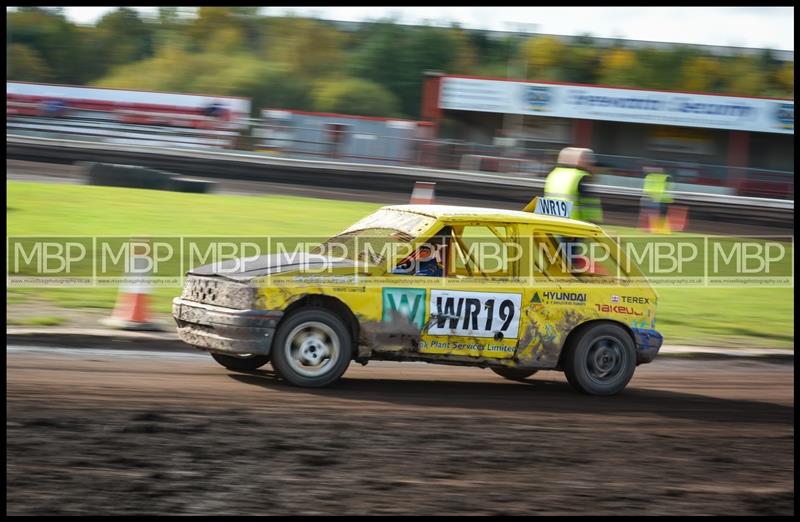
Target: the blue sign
(785, 115)
(538, 97)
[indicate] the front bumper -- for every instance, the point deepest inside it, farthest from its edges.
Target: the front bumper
(225, 330)
(648, 342)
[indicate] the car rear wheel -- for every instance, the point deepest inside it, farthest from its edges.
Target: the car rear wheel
(241, 363)
(600, 360)
(312, 348)
(513, 374)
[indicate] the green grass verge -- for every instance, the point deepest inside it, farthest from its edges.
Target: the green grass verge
(759, 317)
(45, 320)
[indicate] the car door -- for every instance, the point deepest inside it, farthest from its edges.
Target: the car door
(476, 309)
(556, 299)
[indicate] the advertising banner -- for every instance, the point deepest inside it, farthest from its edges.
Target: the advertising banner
(240, 107)
(625, 105)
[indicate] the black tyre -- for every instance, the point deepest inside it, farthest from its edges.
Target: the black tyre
(312, 348)
(600, 360)
(513, 374)
(244, 363)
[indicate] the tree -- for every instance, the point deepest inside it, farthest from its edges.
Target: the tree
(397, 57)
(659, 68)
(465, 58)
(354, 96)
(619, 67)
(309, 48)
(123, 37)
(785, 79)
(26, 64)
(54, 37)
(745, 77)
(545, 58)
(702, 73)
(581, 64)
(268, 85)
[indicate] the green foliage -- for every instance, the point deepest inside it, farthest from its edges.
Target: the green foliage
(26, 64)
(354, 96)
(122, 37)
(619, 67)
(746, 77)
(785, 78)
(545, 58)
(55, 39)
(269, 85)
(703, 73)
(397, 57)
(309, 48)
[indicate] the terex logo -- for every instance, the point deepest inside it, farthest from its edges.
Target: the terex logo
(632, 299)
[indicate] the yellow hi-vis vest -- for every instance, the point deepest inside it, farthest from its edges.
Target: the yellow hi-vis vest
(562, 183)
(655, 187)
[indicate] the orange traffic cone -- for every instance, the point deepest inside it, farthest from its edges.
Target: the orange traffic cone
(132, 311)
(423, 193)
(678, 217)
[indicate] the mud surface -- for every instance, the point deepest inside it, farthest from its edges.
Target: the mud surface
(142, 433)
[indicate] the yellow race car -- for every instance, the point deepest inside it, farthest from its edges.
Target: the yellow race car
(513, 291)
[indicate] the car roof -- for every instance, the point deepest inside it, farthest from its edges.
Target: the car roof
(458, 213)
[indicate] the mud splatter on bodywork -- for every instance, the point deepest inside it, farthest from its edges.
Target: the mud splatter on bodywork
(547, 329)
(397, 334)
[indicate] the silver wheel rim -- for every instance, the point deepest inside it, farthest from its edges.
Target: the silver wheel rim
(312, 349)
(605, 360)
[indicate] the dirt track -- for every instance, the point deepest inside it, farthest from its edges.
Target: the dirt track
(139, 433)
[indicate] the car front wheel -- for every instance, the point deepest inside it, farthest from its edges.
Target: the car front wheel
(600, 360)
(312, 348)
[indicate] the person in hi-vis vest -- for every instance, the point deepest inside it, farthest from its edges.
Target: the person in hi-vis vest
(656, 197)
(567, 181)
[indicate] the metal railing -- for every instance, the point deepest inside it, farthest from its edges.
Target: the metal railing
(359, 147)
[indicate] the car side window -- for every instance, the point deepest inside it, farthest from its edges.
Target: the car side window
(584, 258)
(482, 251)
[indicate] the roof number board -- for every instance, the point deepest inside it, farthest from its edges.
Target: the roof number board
(553, 207)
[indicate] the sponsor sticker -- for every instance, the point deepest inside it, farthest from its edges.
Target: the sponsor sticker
(617, 309)
(474, 314)
(407, 302)
(632, 299)
(559, 298)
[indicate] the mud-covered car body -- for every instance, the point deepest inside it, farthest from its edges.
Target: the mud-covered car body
(515, 308)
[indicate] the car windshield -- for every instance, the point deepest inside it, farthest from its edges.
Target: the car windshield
(409, 223)
(385, 234)
(370, 245)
